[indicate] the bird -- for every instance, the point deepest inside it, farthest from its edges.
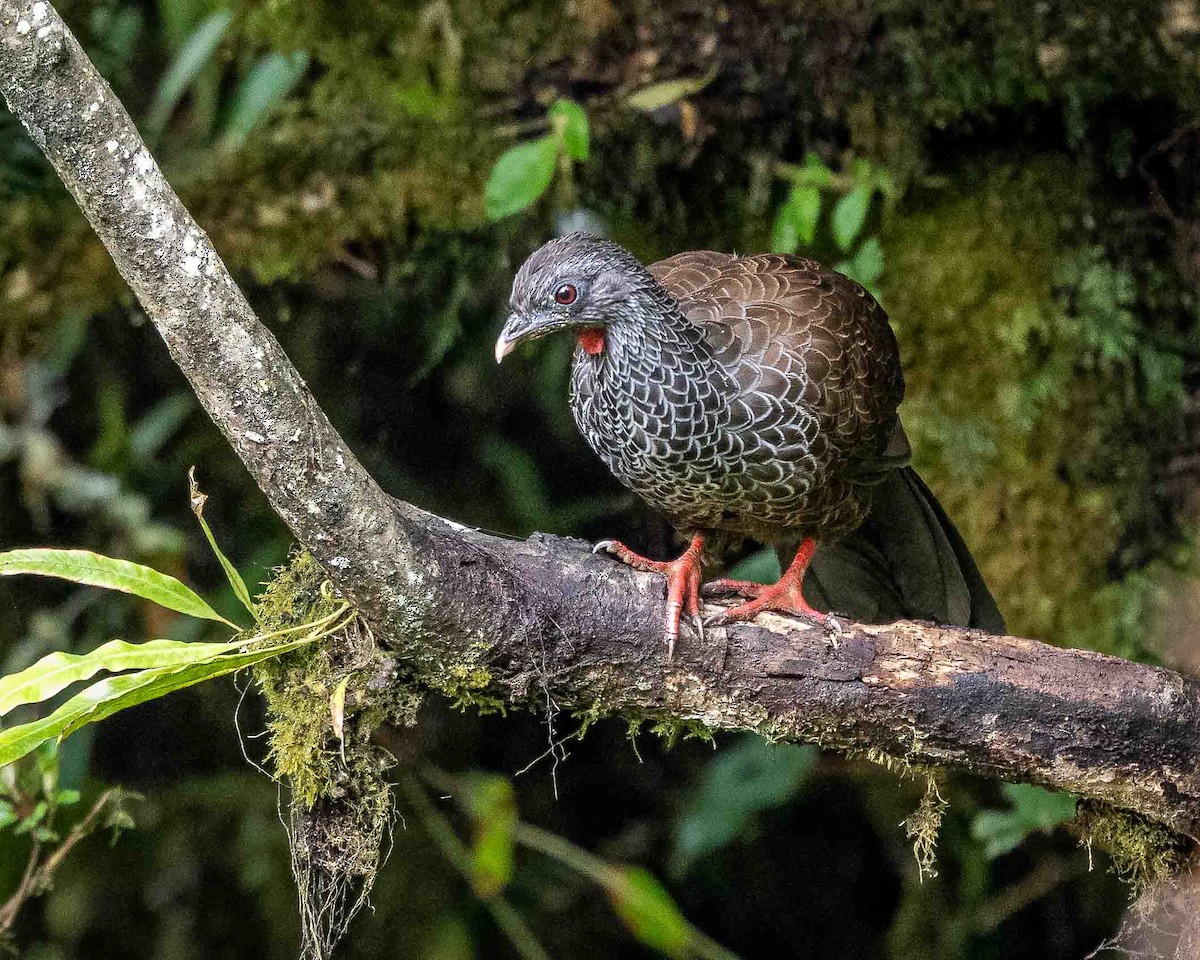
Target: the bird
(752, 397)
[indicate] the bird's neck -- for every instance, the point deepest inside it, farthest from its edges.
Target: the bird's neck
(650, 324)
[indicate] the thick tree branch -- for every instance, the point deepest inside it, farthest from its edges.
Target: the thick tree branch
(544, 619)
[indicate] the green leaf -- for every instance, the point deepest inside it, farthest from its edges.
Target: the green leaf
(163, 421)
(83, 566)
(443, 332)
(48, 765)
(198, 500)
(571, 125)
(337, 712)
(492, 804)
(106, 697)
(519, 177)
(785, 237)
(867, 264)
(266, 86)
(806, 207)
(742, 780)
(178, 18)
(849, 215)
(117, 818)
(8, 816)
(657, 95)
(67, 798)
(796, 223)
(57, 671)
(814, 173)
(192, 58)
(1033, 810)
(34, 819)
(646, 908)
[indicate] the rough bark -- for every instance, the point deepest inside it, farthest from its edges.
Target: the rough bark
(544, 620)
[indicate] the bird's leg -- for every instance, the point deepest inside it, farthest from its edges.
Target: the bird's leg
(683, 580)
(785, 596)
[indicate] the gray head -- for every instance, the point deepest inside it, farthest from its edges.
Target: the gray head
(577, 282)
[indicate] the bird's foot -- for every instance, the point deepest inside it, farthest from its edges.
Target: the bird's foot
(782, 597)
(683, 583)
(779, 598)
(785, 596)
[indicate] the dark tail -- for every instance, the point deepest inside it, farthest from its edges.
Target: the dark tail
(906, 561)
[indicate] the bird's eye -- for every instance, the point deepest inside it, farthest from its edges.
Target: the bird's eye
(566, 294)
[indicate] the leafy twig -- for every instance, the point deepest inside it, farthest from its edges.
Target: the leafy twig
(39, 874)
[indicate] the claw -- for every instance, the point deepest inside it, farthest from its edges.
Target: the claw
(604, 546)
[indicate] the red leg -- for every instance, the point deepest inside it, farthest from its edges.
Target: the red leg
(784, 596)
(683, 580)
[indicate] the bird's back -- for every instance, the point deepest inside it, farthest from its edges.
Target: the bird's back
(818, 382)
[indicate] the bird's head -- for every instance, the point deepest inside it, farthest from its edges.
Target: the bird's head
(578, 283)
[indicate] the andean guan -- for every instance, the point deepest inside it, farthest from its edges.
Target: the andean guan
(753, 397)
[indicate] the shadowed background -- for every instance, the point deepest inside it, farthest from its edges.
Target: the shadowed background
(1030, 225)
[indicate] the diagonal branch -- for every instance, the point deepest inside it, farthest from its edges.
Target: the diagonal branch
(543, 620)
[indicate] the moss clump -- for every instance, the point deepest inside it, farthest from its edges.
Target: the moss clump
(299, 688)
(673, 731)
(923, 824)
(466, 685)
(1144, 852)
(320, 723)
(588, 717)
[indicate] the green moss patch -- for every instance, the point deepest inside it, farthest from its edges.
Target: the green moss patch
(1144, 852)
(319, 726)
(1029, 379)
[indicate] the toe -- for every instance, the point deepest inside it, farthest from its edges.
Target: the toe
(726, 588)
(743, 611)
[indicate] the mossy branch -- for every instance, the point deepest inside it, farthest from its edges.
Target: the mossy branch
(543, 621)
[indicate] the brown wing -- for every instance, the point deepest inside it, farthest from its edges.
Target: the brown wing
(799, 340)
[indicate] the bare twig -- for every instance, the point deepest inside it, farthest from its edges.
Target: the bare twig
(12, 906)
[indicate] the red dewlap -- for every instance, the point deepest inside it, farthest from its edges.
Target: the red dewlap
(592, 340)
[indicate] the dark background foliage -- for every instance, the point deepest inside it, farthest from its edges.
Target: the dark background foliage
(1037, 249)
